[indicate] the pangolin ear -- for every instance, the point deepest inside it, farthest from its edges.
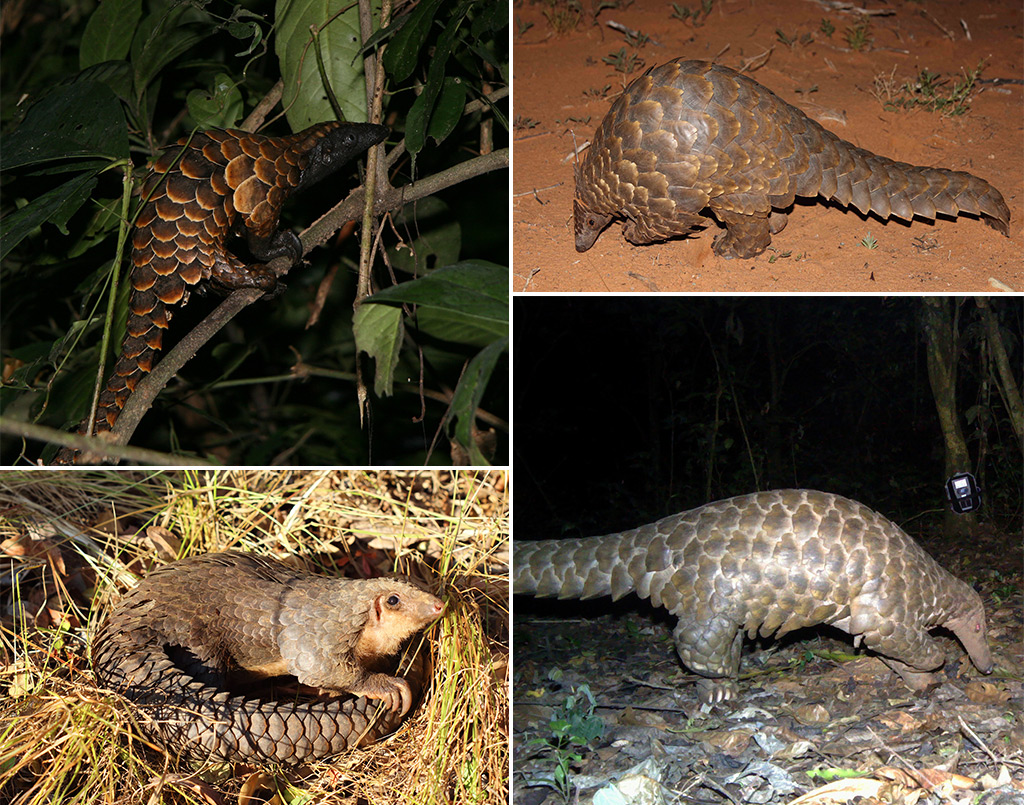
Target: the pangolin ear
(377, 608)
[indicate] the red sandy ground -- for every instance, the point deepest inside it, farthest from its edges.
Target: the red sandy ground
(558, 82)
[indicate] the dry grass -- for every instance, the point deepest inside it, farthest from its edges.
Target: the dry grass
(72, 542)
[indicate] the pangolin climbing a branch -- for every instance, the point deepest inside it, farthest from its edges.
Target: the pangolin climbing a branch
(689, 138)
(211, 187)
(769, 563)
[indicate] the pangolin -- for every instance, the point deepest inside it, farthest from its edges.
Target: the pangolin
(192, 630)
(209, 188)
(689, 137)
(769, 563)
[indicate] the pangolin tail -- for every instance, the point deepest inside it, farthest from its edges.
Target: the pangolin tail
(206, 723)
(148, 317)
(572, 568)
(888, 188)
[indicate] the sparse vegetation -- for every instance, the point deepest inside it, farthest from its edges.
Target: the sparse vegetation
(573, 726)
(869, 242)
(563, 15)
(791, 41)
(696, 16)
(637, 39)
(623, 61)
(858, 36)
(827, 27)
(927, 91)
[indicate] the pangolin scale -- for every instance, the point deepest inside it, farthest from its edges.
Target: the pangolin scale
(689, 137)
(212, 186)
(769, 563)
(192, 630)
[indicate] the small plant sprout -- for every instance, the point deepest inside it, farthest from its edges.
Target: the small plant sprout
(573, 726)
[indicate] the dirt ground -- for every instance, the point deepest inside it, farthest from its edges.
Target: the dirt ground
(563, 87)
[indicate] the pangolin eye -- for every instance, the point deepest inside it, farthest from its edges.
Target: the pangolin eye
(393, 600)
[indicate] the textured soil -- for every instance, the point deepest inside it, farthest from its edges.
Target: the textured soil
(563, 87)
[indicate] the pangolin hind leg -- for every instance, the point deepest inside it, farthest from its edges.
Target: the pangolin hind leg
(712, 649)
(746, 234)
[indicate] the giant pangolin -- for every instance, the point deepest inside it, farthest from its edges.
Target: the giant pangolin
(769, 563)
(689, 137)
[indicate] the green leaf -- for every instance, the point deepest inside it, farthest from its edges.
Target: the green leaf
(115, 74)
(220, 107)
(55, 206)
(466, 303)
(468, 394)
(402, 55)
(435, 232)
(422, 109)
(105, 221)
(109, 31)
(385, 34)
(490, 17)
(449, 109)
(251, 29)
(304, 95)
(379, 332)
(160, 40)
(76, 120)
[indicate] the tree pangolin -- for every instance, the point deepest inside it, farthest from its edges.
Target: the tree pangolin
(689, 137)
(214, 185)
(769, 563)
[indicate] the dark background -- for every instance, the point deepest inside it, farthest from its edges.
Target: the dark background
(616, 402)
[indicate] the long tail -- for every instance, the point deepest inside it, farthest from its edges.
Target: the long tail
(204, 723)
(148, 317)
(854, 176)
(576, 568)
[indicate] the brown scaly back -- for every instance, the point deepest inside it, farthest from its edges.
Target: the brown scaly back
(200, 192)
(692, 136)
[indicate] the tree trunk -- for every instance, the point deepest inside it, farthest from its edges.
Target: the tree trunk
(940, 323)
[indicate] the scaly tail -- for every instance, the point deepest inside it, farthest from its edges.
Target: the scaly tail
(574, 568)
(206, 723)
(889, 188)
(148, 317)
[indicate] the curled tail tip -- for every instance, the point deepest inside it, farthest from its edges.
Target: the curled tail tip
(991, 205)
(999, 224)
(997, 214)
